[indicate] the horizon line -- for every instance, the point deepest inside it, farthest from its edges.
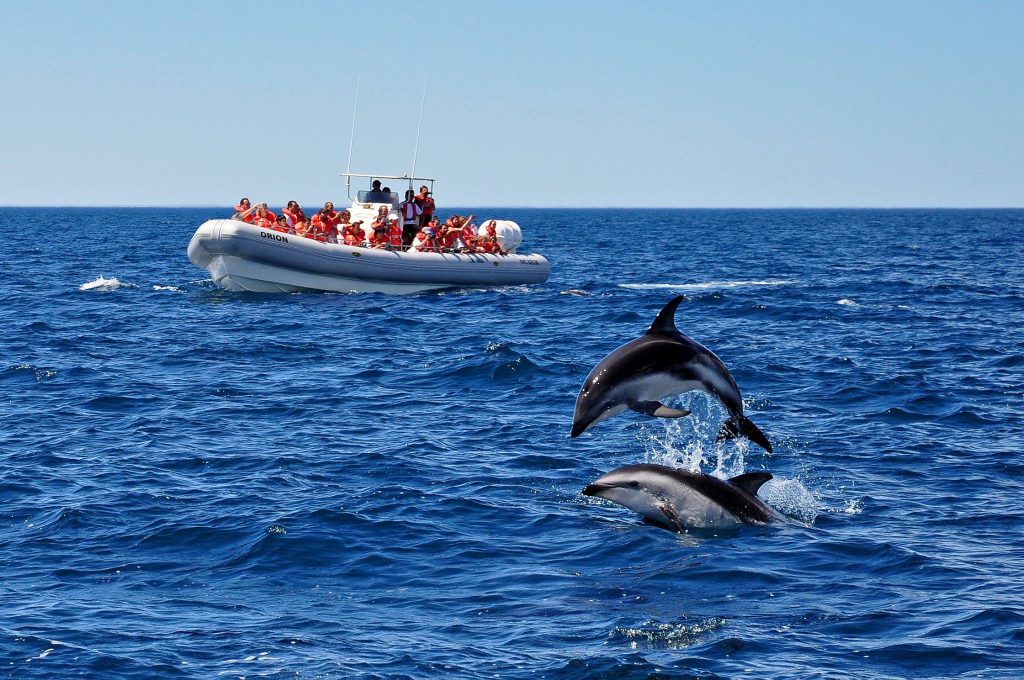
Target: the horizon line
(559, 207)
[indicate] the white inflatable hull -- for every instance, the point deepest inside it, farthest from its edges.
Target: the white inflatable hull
(242, 257)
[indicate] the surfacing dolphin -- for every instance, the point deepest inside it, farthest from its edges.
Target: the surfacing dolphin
(678, 500)
(661, 362)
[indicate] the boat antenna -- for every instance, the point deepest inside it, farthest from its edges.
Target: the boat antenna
(351, 141)
(419, 127)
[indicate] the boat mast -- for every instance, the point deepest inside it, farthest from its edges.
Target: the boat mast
(351, 141)
(419, 127)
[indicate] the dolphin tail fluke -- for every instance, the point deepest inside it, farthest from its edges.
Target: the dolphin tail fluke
(742, 426)
(656, 409)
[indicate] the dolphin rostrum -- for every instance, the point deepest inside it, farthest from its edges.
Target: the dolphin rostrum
(661, 362)
(677, 499)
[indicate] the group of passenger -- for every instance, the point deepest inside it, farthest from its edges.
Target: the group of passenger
(416, 228)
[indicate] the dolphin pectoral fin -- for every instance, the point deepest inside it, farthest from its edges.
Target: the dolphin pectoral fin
(742, 426)
(671, 515)
(656, 409)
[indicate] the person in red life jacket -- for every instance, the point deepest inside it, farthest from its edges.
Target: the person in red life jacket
(447, 236)
(488, 240)
(263, 217)
(467, 234)
(293, 213)
(281, 225)
(410, 212)
(353, 234)
(244, 211)
(426, 241)
(379, 238)
(306, 229)
(330, 215)
(320, 228)
(426, 204)
(395, 234)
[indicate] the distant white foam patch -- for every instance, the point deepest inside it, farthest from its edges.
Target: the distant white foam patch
(574, 291)
(708, 285)
(102, 284)
(847, 303)
(791, 498)
(174, 289)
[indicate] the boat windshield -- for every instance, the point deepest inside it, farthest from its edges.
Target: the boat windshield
(390, 197)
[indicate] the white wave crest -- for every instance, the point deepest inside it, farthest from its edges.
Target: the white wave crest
(847, 303)
(170, 288)
(102, 284)
(707, 285)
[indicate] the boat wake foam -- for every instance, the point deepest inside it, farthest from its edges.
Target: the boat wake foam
(707, 285)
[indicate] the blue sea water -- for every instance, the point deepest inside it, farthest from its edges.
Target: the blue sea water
(197, 483)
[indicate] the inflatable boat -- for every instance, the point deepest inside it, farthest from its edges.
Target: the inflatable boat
(243, 257)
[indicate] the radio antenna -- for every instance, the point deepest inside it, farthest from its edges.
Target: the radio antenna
(419, 127)
(351, 141)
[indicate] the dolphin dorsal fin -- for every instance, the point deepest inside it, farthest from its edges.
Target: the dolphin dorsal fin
(751, 481)
(665, 321)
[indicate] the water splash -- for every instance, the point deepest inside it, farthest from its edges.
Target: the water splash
(667, 635)
(791, 498)
(102, 284)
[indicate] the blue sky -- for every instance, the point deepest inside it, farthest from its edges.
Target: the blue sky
(734, 104)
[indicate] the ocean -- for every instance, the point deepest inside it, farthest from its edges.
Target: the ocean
(198, 483)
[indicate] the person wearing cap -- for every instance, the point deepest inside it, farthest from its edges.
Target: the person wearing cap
(426, 204)
(426, 241)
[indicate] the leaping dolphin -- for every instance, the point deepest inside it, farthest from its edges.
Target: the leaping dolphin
(661, 362)
(677, 500)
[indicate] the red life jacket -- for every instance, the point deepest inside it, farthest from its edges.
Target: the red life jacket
(267, 220)
(354, 236)
(448, 238)
(395, 234)
(426, 204)
(293, 216)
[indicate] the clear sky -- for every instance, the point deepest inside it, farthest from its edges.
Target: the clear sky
(683, 104)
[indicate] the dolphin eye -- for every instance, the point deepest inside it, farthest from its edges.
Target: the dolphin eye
(634, 484)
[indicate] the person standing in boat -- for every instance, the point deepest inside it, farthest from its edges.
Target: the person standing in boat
(410, 212)
(426, 204)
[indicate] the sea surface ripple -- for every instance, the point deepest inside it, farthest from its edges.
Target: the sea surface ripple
(197, 483)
